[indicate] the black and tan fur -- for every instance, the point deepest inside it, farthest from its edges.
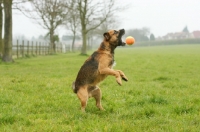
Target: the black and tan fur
(97, 67)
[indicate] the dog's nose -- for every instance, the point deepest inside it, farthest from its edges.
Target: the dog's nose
(122, 31)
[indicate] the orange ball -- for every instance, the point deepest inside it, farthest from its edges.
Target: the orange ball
(130, 40)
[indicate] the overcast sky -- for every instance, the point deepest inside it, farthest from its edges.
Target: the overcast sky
(161, 16)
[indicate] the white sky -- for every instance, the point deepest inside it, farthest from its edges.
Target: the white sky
(161, 16)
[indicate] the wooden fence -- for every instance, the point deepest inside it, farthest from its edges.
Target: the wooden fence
(31, 48)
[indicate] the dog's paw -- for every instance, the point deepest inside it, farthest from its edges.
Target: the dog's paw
(125, 78)
(102, 109)
(119, 81)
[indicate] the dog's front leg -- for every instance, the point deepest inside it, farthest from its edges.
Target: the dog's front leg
(108, 71)
(122, 75)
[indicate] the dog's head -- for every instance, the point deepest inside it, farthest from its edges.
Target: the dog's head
(114, 37)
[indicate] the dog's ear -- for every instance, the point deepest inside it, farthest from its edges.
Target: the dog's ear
(106, 36)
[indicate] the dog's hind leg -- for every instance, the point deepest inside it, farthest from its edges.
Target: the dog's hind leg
(83, 96)
(96, 93)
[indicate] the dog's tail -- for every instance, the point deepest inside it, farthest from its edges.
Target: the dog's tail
(73, 87)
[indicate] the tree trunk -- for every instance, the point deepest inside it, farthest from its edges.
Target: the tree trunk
(83, 11)
(7, 50)
(84, 45)
(73, 41)
(53, 46)
(84, 40)
(1, 28)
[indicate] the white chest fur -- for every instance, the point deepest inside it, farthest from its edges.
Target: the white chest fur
(114, 64)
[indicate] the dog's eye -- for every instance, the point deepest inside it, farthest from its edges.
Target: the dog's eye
(115, 32)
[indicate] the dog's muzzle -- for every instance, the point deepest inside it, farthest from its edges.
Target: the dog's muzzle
(121, 33)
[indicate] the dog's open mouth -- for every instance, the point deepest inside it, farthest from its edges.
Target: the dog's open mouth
(121, 33)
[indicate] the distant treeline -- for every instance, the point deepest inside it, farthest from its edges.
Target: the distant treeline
(168, 42)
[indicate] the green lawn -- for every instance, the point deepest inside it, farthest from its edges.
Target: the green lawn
(162, 94)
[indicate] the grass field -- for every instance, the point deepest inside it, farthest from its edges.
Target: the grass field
(162, 94)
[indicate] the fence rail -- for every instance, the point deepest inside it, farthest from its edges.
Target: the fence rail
(22, 49)
(36, 48)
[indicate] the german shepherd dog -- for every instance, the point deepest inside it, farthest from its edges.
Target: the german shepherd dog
(97, 67)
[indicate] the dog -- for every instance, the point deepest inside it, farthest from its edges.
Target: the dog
(97, 67)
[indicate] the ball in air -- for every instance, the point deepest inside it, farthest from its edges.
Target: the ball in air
(130, 40)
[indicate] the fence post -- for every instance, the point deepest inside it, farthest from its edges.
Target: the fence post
(32, 48)
(47, 48)
(23, 48)
(44, 50)
(27, 47)
(17, 50)
(36, 47)
(39, 47)
(61, 47)
(42, 46)
(53, 49)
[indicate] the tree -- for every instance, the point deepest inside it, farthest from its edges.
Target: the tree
(1, 27)
(73, 22)
(6, 45)
(185, 30)
(49, 14)
(140, 34)
(110, 23)
(7, 49)
(152, 37)
(92, 14)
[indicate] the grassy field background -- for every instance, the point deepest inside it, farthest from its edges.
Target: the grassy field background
(162, 94)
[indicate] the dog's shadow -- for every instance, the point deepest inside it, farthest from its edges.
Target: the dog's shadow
(95, 113)
(105, 112)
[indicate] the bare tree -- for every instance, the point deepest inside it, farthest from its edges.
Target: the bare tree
(92, 14)
(7, 48)
(139, 34)
(19, 4)
(110, 23)
(6, 45)
(49, 14)
(1, 27)
(73, 22)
